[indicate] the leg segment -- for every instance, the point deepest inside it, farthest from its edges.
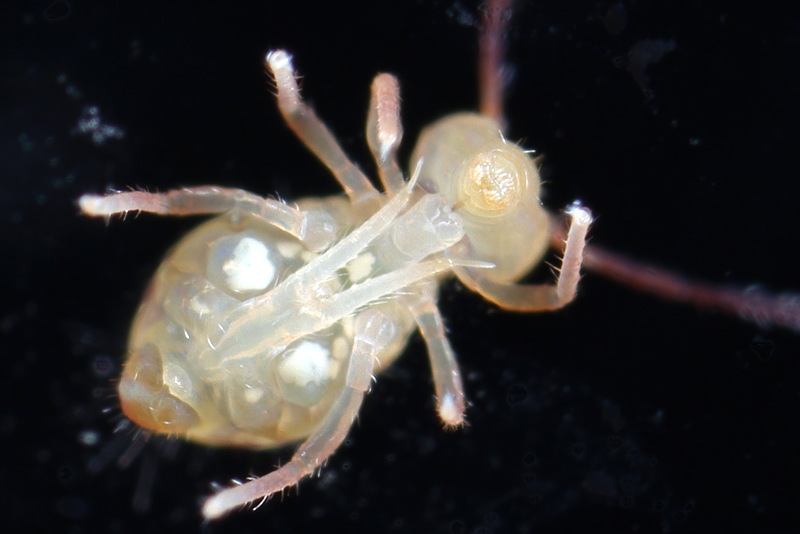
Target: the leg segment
(313, 132)
(492, 75)
(374, 330)
(750, 304)
(384, 131)
(518, 297)
(446, 376)
(316, 228)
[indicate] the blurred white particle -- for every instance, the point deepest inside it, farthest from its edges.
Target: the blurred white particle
(90, 438)
(90, 123)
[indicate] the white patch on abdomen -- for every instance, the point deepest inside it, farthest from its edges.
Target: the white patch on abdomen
(249, 269)
(304, 373)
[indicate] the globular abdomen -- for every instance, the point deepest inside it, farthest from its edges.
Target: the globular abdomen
(176, 381)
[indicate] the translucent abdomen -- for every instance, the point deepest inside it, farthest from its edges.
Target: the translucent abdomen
(197, 365)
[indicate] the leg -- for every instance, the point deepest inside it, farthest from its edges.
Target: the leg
(446, 377)
(316, 229)
(313, 133)
(518, 297)
(384, 131)
(750, 304)
(492, 74)
(373, 330)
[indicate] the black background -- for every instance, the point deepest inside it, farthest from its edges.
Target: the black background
(621, 413)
